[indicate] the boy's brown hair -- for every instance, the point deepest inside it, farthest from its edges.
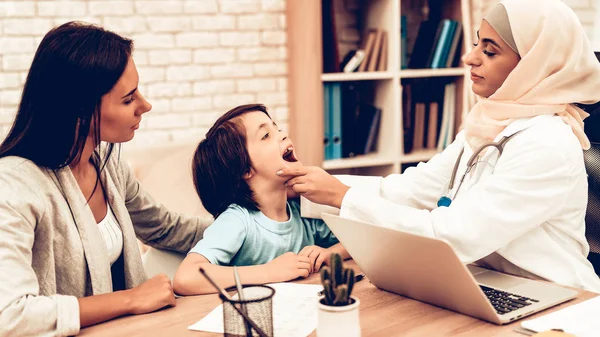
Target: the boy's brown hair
(221, 160)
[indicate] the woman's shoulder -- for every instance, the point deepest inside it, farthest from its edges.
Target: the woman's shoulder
(549, 144)
(23, 168)
(23, 182)
(551, 133)
(15, 162)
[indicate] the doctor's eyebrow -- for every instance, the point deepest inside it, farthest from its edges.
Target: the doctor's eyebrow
(488, 40)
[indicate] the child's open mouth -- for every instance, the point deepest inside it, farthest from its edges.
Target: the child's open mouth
(289, 155)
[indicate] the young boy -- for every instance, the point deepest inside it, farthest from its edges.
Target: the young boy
(256, 227)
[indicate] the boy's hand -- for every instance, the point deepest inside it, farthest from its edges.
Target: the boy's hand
(289, 266)
(317, 256)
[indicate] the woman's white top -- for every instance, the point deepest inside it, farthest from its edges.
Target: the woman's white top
(523, 213)
(112, 235)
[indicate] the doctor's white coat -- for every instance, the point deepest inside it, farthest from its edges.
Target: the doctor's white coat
(522, 213)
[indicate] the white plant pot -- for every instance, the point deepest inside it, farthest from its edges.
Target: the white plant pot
(339, 321)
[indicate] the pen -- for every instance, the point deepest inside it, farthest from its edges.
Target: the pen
(357, 278)
(225, 295)
(240, 291)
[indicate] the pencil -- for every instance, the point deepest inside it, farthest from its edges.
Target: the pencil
(227, 297)
(238, 285)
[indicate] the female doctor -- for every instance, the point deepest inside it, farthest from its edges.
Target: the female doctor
(510, 192)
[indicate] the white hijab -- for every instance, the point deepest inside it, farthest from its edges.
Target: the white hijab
(557, 68)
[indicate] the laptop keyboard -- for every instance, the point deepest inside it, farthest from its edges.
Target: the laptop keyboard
(505, 302)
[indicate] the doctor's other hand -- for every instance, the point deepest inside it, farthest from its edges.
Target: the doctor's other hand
(315, 184)
(151, 295)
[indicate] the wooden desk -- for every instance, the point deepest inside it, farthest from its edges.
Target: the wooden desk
(381, 314)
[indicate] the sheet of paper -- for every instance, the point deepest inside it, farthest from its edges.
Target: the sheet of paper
(580, 319)
(294, 311)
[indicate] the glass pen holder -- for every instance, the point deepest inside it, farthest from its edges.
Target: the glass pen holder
(258, 304)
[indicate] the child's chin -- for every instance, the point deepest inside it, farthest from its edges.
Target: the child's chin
(292, 164)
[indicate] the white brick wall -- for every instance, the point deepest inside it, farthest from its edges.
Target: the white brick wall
(585, 10)
(196, 58)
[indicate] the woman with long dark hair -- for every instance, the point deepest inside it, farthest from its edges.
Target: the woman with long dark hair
(70, 209)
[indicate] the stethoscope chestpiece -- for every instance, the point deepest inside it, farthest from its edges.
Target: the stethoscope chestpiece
(444, 201)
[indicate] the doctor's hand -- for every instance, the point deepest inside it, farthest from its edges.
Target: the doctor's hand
(291, 194)
(315, 184)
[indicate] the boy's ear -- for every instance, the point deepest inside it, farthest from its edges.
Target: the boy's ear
(249, 174)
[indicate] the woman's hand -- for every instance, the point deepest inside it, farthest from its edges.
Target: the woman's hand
(315, 184)
(151, 295)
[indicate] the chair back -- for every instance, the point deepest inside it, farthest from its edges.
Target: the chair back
(592, 166)
(592, 216)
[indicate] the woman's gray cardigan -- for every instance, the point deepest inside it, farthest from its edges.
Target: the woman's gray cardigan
(52, 252)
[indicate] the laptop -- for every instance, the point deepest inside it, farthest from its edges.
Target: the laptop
(428, 270)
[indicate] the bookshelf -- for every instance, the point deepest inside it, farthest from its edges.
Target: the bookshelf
(306, 80)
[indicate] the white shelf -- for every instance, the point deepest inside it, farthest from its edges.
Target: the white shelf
(417, 73)
(381, 88)
(357, 76)
(367, 160)
(418, 156)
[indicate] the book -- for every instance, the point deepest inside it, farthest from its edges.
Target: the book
(374, 55)
(366, 126)
(383, 54)
(407, 119)
(446, 134)
(403, 43)
(336, 121)
(371, 144)
(423, 44)
(353, 60)
(419, 126)
(327, 144)
(442, 44)
(432, 126)
(368, 48)
(350, 99)
(434, 44)
(454, 46)
(330, 42)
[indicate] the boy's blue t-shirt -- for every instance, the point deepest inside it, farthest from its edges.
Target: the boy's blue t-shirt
(241, 237)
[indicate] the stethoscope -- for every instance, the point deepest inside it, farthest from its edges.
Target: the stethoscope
(445, 199)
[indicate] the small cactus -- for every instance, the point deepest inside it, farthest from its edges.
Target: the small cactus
(337, 282)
